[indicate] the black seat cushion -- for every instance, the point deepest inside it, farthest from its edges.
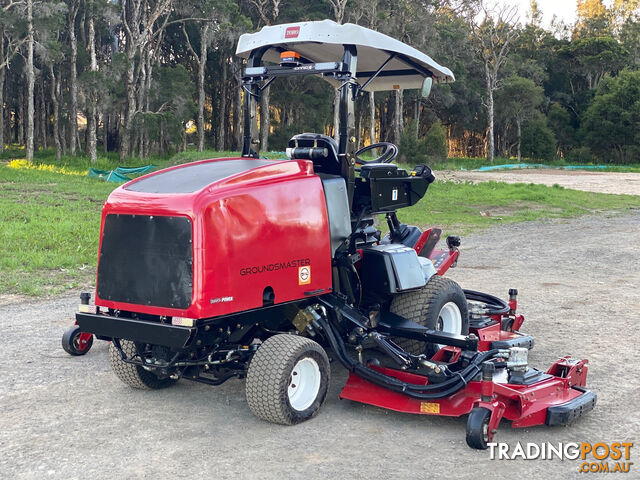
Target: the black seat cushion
(329, 164)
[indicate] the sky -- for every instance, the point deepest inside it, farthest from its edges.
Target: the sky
(564, 10)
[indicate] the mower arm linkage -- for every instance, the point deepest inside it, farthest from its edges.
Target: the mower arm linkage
(453, 384)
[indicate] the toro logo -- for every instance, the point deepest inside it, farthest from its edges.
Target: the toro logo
(304, 275)
(292, 32)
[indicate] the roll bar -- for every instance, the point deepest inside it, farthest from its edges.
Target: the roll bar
(257, 77)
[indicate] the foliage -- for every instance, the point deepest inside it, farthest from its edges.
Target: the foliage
(435, 142)
(612, 122)
(151, 71)
(431, 148)
(538, 141)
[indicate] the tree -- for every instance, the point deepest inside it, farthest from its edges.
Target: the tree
(268, 11)
(518, 101)
(73, 7)
(30, 80)
(611, 124)
(559, 121)
(494, 36)
(206, 36)
(591, 59)
(538, 140)
(143, 22)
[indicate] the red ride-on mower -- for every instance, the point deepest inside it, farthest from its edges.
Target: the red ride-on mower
(254, 268)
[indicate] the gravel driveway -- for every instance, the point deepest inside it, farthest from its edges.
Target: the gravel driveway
(587, 180)
(579, 282)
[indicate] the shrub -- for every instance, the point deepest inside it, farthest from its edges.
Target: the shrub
(538, 141)
(418, 150)
(436, 142)
(580, 155)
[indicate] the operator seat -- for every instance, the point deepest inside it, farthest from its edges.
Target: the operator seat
(322, 150)
(328, 164)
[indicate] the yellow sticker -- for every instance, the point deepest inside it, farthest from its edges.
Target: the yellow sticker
(304, 275)
(429, 407)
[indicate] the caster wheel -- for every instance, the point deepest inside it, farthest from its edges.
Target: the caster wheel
(478, 433)
(75, 342)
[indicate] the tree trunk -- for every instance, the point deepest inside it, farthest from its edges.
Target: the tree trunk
(3, 73)
(397, 123)
(63, 138)
(92, 124)
(336, 114)
(127, 119)
(237, 117)
(265, 119)
(73, 80)
(519, 125)
(490, 143)
(55, 88)
(30, 81)
(44, 123)
(20, 119)
(105, 128)
(222, 110)
(372, 116)
(202, 65)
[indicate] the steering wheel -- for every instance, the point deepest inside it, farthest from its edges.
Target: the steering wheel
(389, 154)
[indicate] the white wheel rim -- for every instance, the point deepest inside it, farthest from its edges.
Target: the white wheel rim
(449, 319)
(304, 384)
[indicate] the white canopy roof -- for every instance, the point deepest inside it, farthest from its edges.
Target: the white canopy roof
(323, 42)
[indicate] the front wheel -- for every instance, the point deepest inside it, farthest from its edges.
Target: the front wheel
(440, 305)
(478, 433)
(287, 380)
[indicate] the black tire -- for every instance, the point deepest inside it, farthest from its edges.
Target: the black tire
(423, 306)
(134, 375)
(478, 434)
(271, 374)
(71, 342)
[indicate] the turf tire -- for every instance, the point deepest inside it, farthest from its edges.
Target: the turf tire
(270, 375)
(134, 375)
(423, 307)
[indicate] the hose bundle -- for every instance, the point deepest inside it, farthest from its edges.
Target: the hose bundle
(455, 383)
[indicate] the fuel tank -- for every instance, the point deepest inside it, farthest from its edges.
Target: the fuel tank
(215, 237)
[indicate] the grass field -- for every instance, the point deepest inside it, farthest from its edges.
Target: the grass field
(50, 215)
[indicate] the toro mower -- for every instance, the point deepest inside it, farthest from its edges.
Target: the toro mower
(262, 269)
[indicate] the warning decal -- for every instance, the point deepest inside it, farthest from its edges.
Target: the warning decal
(304, 275)
(429, 407)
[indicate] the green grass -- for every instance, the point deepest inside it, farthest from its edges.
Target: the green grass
(49, 221)
(464, 207)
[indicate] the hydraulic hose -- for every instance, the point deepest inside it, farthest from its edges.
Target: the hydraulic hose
(424, 392)
(496, 306)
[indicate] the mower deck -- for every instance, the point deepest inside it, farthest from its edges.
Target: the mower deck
(551, 400)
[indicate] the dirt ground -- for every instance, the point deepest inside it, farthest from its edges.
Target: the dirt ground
(589, 181)
(579, 282)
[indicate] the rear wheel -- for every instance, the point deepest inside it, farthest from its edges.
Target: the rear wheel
(134, 375)
(440, 305)
(287, 380)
